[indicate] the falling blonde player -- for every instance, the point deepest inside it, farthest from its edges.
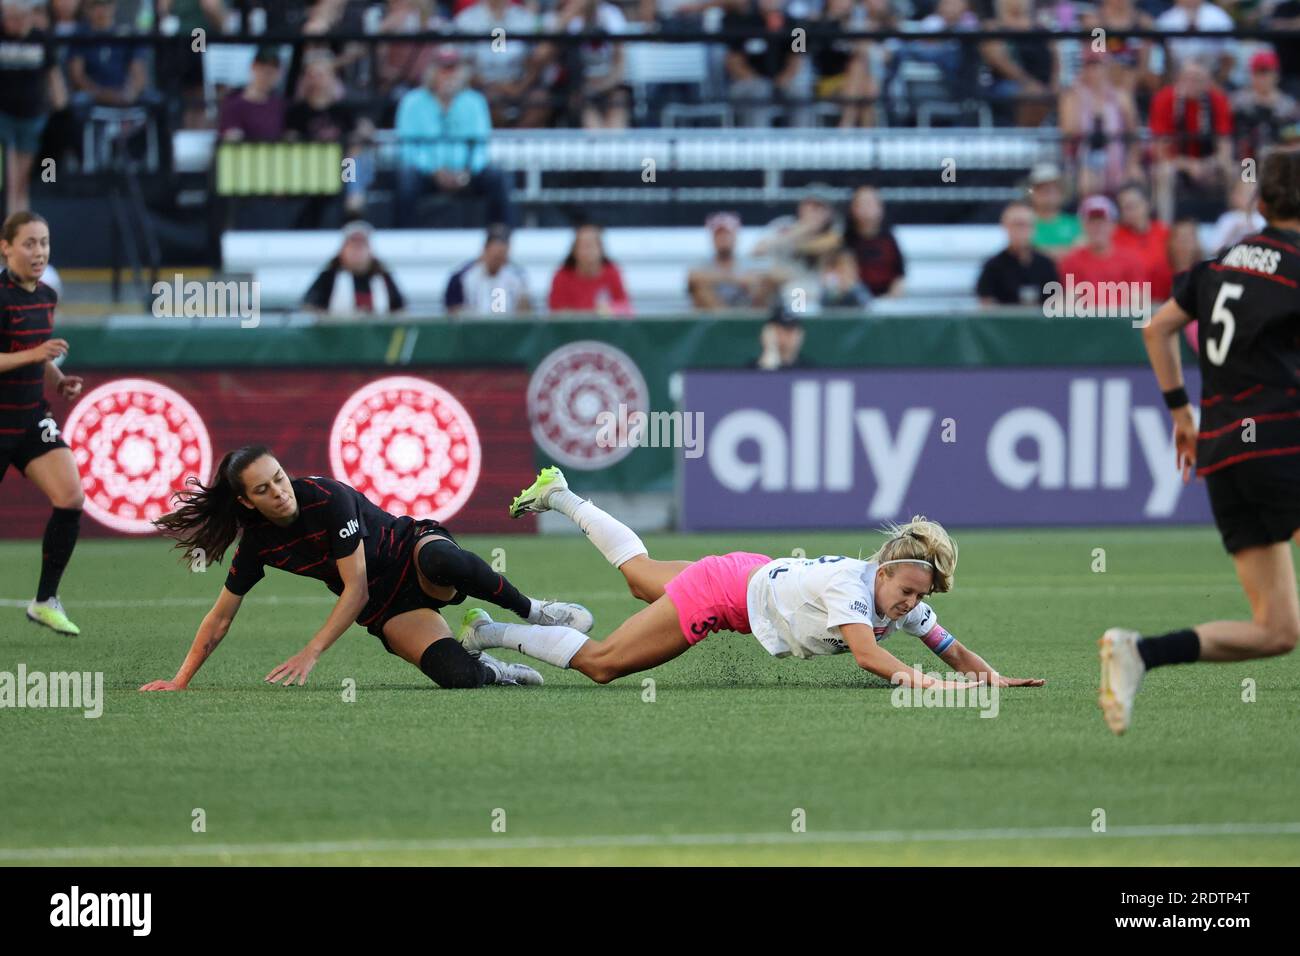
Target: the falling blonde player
(795, 607)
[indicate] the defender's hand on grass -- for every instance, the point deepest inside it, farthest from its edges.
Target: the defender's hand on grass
(298, 666)
(162, 685)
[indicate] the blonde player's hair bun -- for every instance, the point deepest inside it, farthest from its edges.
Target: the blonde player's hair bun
(920, 540)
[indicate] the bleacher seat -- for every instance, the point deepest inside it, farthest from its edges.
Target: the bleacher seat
(943, 261)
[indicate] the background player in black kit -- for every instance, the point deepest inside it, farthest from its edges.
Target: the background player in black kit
(29, 435)
(1247, 301)
(391, 574)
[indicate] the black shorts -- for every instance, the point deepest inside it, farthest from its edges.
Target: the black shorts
(1256, 502)
(41, 436)
(403, 585)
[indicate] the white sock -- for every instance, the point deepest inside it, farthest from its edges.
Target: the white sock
(554, 645)
(534, 611)
(615, 540)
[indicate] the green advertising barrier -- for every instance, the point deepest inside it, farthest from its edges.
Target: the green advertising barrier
(659, 347)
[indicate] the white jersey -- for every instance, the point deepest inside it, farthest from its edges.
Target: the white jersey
(796, 607)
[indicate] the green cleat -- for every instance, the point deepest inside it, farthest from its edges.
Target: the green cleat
(534, 497)
(468, 635)
(50, 614)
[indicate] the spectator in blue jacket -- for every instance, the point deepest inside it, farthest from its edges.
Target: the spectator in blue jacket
(443, 129)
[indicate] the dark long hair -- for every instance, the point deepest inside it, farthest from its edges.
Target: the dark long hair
(1279, 185)
(571, 260)
(210, 517)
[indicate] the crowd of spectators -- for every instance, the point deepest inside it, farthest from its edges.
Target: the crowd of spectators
(1146, 123)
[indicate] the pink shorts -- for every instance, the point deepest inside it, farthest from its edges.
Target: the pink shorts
(710, 594)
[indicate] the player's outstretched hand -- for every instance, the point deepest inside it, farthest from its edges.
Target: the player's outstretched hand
(295, 669)
(162, 685)
(1019, 681)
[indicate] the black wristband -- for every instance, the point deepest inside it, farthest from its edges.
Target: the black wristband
(1176, 398)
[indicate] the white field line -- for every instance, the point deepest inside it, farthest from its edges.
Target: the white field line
(605, 595)
(651, 840)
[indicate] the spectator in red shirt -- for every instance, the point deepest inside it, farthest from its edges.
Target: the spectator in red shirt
(1191, 122)
(1144, 238)
(1098, 260)
(587, 281)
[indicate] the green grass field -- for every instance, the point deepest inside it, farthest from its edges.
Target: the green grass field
(711, 771)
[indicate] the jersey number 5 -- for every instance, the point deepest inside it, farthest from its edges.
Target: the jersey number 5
(1217, 352)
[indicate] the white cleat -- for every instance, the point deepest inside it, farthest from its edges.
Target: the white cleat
(1121, 677)
(471, 635)
(536, 496)
(563, 614)
(510, 675)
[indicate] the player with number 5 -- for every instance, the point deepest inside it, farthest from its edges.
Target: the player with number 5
(1247, 448)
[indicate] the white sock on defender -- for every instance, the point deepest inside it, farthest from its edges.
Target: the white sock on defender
(615, 540)
(554, 645)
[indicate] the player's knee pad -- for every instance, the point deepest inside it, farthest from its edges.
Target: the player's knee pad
(443, 562)
(449, 665)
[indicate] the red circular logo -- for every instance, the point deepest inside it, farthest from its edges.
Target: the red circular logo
(576, 389)
(408, 446)
(136, 443)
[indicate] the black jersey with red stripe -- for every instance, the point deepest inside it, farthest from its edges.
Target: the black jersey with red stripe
(1247, 304)
(333, 519)
(26, 320)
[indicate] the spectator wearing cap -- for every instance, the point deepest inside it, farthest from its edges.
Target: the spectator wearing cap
(1018, 275)
(1097, 260)
(31, 84)
(1199, 16)
(781, 342)
(256, 113)
(443, 129)
(721, 282)
(798, 244)
(1191, 123)
(507, 73)
(587, 281)
(491, 285)
(1055, 231)
(868, 236)
(1261, 112)
(1098, 123)
(1144, 238)
(354, 281)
